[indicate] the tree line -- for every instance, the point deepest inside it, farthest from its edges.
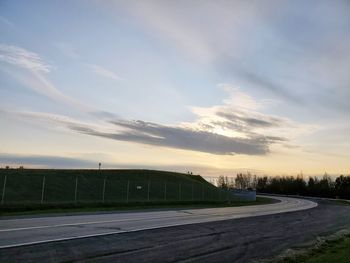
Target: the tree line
(290, 185)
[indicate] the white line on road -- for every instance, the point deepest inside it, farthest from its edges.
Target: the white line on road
(19, 235)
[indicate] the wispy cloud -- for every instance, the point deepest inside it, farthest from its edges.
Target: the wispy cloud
(45, 161)
(23, 58)
(103, 72)
(38, 81)
(256, 44)
(241, 115)
(181, 138)
(84, 161)
(234, 127)
(158, 135)
(68, 50)
(223, 129)
(5, 21)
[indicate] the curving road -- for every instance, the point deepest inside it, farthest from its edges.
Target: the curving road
(36, 230)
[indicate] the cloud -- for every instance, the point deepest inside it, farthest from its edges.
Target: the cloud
(222, 129)
(23, 58)
(35, 79)
(223, 40)
(67, 50)
(291, 49)
(6, 21)
(259, 80)
(234, 127)
(242, 118)
(45, 161)
(240, 115)
(157, 134)
(103, 72)
(184, 138)
(50, 161)
(38, 81)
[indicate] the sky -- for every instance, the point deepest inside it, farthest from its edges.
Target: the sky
(212, 87)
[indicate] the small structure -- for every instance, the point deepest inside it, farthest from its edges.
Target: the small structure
(244, 195)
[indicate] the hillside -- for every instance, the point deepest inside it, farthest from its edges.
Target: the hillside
(78, 186)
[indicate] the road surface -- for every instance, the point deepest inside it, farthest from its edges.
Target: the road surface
(29, 231)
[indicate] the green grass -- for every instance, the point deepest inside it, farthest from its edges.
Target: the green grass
(90, 208)
(343, 202)
(331, 252)
(97, 190)
(25, 186)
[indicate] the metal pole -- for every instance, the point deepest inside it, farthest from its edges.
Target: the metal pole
(104, 190)
(43, 190)
(192, 193)
(3, 190)
(148, 187)
(76, 189)
(127, 192)
(202, 192)
(179, 191)
(165, 191)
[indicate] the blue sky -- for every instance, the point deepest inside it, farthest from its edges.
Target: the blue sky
(210, 86)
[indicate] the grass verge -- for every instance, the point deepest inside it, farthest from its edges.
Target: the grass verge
(334, 248)
(335, 251)
(110, 207)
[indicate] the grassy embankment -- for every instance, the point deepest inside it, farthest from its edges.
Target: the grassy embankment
(106, 190)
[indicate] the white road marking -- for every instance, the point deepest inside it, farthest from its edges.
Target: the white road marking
(87, 223)
(131, 224)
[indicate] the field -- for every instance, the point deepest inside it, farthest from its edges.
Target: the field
(21, 187)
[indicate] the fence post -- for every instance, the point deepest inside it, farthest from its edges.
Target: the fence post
(165, 191)
(3, 190)
(43, 190)
(179, 191)
(127, 192)
(192, 193)
(103, 190)
(76, 189)
(148, 187)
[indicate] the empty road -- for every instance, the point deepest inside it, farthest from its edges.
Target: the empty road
(28, 231)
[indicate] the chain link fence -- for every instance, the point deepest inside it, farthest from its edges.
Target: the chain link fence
(43, 189)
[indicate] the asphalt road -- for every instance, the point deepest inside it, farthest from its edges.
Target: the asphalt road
(25, 231)
(238, 240)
